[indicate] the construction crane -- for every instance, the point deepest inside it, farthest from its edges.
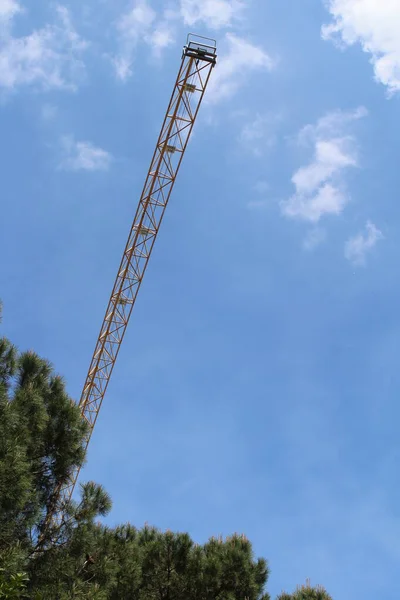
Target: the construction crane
(198, 59)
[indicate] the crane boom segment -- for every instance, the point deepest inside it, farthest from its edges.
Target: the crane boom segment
(198, 59)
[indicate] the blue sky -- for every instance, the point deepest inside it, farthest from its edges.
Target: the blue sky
(257, 387)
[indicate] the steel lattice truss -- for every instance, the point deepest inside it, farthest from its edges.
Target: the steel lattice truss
(198, 59)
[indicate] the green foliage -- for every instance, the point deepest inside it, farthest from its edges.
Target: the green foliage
(13, 578)
(148, 564)
(42, 440)
(306, 592)
(8, 360)
(12, 586)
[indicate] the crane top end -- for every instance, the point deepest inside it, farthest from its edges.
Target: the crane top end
(201, 48)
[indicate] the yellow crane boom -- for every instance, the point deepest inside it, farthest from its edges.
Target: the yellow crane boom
(198, 59)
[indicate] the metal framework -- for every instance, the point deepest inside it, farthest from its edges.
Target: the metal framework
(198, 59)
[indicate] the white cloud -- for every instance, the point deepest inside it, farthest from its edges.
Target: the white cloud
(357, 247)
(131, 27)
(8, 9)
(327, 199)
(259, 134)
(331, 122)
(320, 185)
(140, 16)
(215, 14)
(47, 58)
(375, 25)
(234, 67)
(83, 156)
(141, 24)
(161, 37)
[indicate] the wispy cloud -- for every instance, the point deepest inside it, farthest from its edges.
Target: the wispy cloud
(215, 14)
(257, 204)
(131, 27)
(162, 36)
(357, 247)
(261, 188)
(235, 66)
(83, 156)
(315, 237)
(49, 112)
(140, 23)
(47, 58)
(320, 185)
(376, 26)
(259, 134)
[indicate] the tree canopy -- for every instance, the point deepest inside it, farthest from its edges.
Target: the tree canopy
(41, 442)
(306, 592)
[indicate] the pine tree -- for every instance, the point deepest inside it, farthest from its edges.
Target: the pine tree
(41, 442)
(307, 592)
